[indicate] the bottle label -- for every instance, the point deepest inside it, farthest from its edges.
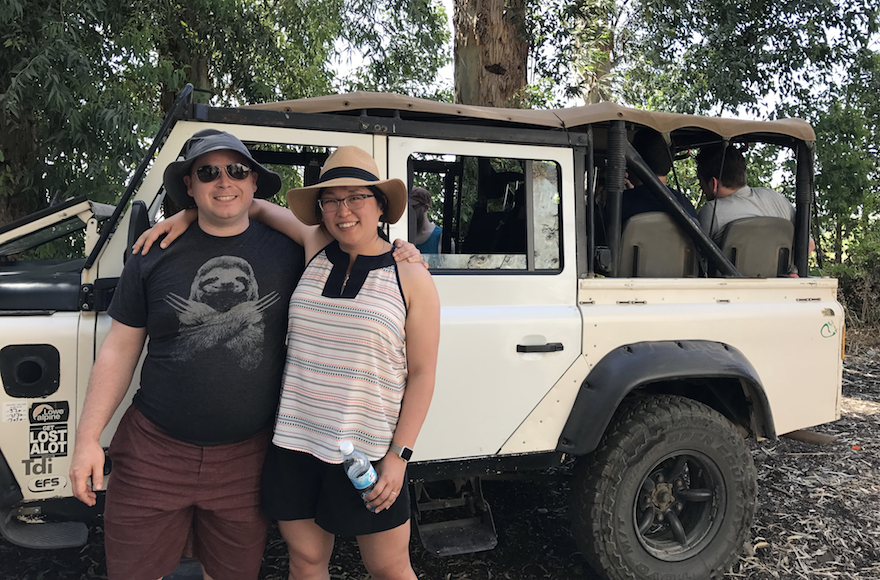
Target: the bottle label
(366, 480)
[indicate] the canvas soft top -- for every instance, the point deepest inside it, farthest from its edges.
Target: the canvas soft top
(571, 118)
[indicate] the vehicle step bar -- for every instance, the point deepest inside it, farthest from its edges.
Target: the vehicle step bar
(453, 518)
(46, 536)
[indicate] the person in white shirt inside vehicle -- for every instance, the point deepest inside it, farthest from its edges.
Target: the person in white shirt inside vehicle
(722, 177)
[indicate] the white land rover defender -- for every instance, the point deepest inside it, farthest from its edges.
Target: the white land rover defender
(647, 361)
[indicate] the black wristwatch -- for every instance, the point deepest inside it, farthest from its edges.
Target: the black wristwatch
(403, 451)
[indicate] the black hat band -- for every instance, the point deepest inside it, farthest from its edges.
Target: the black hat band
(338, 172)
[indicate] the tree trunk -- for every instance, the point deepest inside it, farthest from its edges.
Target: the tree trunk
(186, 54)
(491, 51)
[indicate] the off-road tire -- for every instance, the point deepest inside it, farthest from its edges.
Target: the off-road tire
(664, 459)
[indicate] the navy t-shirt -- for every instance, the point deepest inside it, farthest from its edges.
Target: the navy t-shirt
(215, 310)
(640, 199)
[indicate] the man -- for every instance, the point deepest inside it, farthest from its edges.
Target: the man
(187, 455)
(722, 178)
(639, 199)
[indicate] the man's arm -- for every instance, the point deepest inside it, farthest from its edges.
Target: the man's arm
(312, 238)
(109, 381)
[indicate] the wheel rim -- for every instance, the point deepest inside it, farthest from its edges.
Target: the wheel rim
(680, 505)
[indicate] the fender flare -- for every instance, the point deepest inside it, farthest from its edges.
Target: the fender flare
(630, 366)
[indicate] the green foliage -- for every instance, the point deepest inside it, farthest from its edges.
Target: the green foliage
(847, 123)
(719, 55)
(859, 279)
(575, 45)
(84, 86)
(403, 44)
(537, 95)
(64, 129)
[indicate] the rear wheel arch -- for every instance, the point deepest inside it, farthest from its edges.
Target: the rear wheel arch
(713, 373)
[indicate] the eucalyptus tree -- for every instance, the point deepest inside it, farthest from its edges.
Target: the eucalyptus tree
(491, 51)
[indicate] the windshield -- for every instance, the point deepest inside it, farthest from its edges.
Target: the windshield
(42, 236)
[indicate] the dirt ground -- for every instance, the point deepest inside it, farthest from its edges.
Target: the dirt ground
(818, 515)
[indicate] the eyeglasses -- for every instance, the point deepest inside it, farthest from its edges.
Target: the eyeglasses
(329, 205)
(208, 173)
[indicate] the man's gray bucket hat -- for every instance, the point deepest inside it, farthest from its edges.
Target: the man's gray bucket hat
(205, 141)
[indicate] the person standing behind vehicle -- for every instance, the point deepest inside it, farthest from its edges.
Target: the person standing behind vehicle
(428, 234)
(187, 454)
(361, 360)
(722, 176)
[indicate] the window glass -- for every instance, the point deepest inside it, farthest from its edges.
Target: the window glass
(489, 213)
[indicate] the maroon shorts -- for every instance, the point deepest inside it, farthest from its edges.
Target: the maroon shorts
(163, 492)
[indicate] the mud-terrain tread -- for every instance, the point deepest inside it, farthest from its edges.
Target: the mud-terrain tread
(638, 424)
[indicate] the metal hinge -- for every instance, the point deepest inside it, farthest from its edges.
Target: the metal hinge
(87, 297)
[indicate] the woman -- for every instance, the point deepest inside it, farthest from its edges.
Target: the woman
(362, 354)
(428, 234)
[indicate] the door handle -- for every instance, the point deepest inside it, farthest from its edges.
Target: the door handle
(549, 347)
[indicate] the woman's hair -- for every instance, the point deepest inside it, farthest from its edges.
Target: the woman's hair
(382, 200)
(420, 195)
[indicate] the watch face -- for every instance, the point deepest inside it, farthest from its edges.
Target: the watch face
(405, 453)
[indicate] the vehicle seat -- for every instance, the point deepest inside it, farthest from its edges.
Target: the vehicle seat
(498, 232)
(654, 246)
(759, 247)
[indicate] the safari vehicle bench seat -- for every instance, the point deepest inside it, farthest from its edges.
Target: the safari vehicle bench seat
(759, 247)
(654, 246)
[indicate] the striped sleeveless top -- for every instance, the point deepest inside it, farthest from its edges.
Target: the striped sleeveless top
(345, 373)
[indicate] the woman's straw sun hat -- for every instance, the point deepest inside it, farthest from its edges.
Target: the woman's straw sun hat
(347, 165)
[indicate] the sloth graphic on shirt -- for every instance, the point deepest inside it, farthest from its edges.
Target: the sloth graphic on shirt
(224, 310)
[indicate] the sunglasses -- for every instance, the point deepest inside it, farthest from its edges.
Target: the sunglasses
(208, 173)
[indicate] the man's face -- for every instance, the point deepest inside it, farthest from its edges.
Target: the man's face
(224, 201)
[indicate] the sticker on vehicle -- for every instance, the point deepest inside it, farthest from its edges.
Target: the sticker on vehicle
(48, 440)
(37, 466)
(54, 412)
(47, 483)
(14, 412)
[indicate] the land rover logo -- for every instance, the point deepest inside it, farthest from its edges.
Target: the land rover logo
(56, 412)
(47, 483)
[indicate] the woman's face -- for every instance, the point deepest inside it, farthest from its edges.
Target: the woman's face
(352, 227)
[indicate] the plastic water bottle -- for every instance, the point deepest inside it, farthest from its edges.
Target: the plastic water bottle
(358, 468)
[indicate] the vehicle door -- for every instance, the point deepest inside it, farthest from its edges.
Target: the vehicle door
(507, 282)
